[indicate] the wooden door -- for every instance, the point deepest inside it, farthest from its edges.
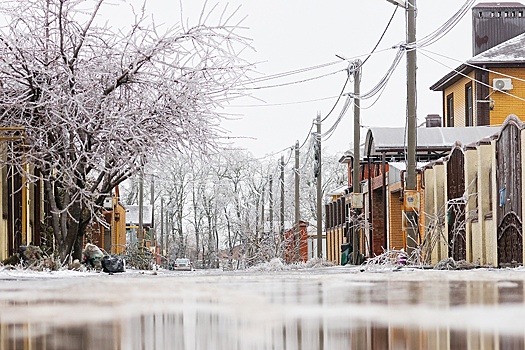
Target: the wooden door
(457, 245)
(508, 181)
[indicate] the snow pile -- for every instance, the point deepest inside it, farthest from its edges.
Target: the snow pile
(451, 264)
(277, 264)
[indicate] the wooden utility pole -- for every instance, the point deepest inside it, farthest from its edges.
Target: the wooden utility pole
(140, 232)
(296, 200)
(262, 214)
(270, 204)
(356, 184)
(282, 198)
(162, 226)
(411, 182)
(319, 192)
(152, 202)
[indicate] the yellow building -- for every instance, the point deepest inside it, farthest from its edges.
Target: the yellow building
(488, 87)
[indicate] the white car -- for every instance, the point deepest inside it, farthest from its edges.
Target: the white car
(182, 264)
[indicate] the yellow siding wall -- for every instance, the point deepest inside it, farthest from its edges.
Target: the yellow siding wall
(395, 212)
(485, 170)
(118, 236)
(471, 190)
(504, 102)
(458, 89)
(441, 248)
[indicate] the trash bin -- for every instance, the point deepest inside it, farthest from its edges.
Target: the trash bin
(346, 249)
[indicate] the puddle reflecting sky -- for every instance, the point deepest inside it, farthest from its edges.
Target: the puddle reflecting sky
(317, 310)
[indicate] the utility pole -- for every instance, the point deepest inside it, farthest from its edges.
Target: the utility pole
(356, 184)
(282, 198)
(152, 202)
(161, 225)
(140, 233)
(297, 232)
(411, 181)
(262, 213)
(319, 192)
(270, 204)
(168, 231)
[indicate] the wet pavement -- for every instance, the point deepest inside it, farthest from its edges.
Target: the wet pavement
(326, 308)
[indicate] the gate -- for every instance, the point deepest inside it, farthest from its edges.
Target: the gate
(457, 244)
(508, 182)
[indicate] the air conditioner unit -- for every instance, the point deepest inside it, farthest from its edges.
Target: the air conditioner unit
(502, 84)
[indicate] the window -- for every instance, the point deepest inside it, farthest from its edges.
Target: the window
(469, 106)
(450, 110)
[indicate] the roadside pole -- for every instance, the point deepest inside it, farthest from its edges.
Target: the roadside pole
(319, 192)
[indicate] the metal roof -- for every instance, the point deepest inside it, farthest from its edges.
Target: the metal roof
(392, 140)
(498, 4)
(510, 51)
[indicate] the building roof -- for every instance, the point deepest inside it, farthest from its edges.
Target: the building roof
(392, 140)
(498, 4)
(510, 52)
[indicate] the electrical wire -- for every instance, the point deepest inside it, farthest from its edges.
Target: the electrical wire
(362, 63)
(338, 99)
(284, 103)
(294, 82)
(381, 37)
(292, 72)
(327, 134)
(472, 79)
(444, 29)
(384, 80)
(466, 63)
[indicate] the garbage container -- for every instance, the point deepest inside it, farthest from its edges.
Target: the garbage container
(346, 249)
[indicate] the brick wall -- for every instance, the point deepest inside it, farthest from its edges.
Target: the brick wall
(378, 222)
(507, 103)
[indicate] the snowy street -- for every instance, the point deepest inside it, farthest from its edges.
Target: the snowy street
(316, 308)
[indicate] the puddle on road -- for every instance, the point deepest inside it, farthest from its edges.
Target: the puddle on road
(212, 332)
(291, 314)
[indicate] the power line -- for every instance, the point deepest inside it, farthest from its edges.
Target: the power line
(294, 82)
(366, 59)
(292, 72)
(466, 63)
(444, 28)
(381, 37)
(284, 103)
(472, 79)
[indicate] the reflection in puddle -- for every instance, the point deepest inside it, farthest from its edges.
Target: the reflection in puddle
(288, 314)
(206, 331)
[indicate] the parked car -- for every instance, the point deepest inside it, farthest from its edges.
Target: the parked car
(182, 264)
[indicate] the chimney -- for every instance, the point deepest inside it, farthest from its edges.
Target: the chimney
(433, 120)
(494, 23)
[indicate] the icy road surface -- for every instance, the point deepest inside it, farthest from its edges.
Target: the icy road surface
(323, 308)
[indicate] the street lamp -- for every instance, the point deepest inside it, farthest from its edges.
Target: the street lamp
(400, 3)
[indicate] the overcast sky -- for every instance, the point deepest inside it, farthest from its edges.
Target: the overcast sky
(295, 34)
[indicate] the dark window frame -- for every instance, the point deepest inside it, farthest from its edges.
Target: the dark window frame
(449, 100)
(469, 105)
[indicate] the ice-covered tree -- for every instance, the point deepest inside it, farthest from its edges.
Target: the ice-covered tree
(98, 102)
